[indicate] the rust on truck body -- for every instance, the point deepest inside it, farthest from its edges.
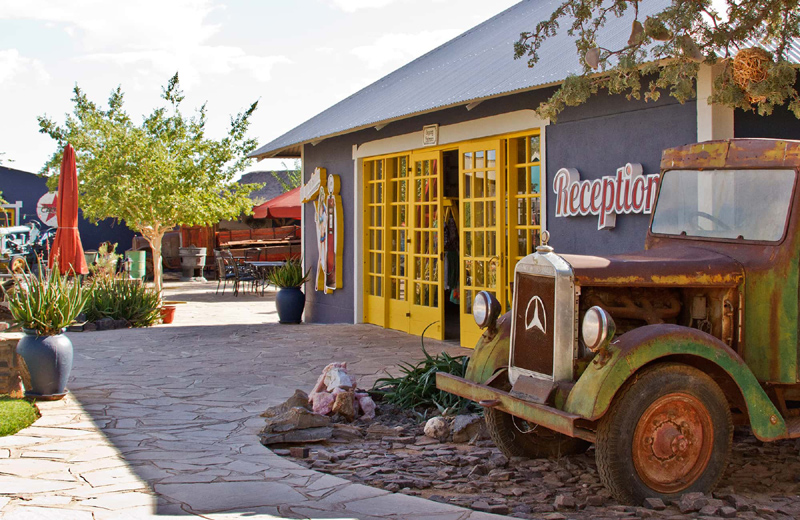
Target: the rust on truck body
(769, 343)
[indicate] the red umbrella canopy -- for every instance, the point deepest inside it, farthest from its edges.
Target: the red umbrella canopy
(67, 248)
(286, 205)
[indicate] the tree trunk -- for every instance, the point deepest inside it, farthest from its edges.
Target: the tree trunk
(155, 243)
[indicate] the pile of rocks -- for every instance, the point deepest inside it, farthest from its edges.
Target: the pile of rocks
(322, 414)
(394, 453)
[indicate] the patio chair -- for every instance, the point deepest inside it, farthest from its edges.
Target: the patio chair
(225, 271)
(240, 273)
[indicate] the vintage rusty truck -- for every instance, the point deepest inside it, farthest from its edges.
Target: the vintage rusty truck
(655, 356)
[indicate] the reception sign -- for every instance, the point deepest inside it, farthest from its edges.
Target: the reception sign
(629, 191)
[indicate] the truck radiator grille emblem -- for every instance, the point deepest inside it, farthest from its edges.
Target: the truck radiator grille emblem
(537, 320)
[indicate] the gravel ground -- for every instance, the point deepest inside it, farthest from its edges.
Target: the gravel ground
(762, 480)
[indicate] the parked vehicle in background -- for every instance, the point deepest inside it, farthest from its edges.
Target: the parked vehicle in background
(654, 356)
(24, 242)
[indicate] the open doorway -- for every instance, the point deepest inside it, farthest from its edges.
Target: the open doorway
(452, 314)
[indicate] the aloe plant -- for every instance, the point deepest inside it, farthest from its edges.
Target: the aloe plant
(119, 298)
(46, 303)
(288, 275)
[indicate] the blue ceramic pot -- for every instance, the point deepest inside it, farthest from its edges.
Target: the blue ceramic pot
(49, 361)
(290, 302)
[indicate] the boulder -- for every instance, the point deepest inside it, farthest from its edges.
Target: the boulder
(296, 418)
(468, 427)
(299, 399)
(437, 428)
(344, 404)
(297, 436)
(346, 432)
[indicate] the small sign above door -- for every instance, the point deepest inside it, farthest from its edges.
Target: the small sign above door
(430, 135)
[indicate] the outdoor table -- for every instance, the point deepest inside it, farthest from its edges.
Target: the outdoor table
(261, 267)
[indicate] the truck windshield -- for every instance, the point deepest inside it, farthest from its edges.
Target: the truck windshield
(732, 204)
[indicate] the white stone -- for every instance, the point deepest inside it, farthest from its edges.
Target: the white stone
(437, 428)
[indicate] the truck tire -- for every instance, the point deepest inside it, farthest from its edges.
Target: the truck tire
(668, 432)
(517, 438)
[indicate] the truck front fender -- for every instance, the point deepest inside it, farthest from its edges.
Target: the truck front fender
(491, 352)
(595, 389)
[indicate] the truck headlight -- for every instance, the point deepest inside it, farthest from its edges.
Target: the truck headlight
(485, 309)
(598, 329)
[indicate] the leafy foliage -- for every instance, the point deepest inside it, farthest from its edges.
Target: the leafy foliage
(46, 303)
(416, 387)
(158, 174)
(16, 414)
(293, 176)
(122, 299)
(665, 51)
(289, 274)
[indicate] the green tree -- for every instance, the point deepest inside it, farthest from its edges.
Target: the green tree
(749, 39)
(155, 175)
(289, 178)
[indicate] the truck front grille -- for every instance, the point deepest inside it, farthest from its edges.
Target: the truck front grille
(534, 323)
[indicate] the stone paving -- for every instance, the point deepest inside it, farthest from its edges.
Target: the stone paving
(163, 422)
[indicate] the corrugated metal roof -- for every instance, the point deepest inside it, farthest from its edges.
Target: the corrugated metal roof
(476, 65)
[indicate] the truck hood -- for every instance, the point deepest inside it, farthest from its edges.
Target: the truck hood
(672, 266)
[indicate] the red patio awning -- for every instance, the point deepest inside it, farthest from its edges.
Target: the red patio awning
(283, 206)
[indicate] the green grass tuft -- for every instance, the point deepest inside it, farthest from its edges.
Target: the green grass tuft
(15, 414)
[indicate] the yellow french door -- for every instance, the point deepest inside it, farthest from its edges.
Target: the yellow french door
(375, 243)
(482, 213)
(399, 235)
(525, 200)
(426, 283)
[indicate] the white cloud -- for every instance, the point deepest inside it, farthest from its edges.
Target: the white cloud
(13, 65)
(351, 6)
(168, 35)
(399, 48)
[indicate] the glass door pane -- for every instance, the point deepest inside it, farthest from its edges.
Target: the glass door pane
(375, 241)
(398, 177)
(482, 206)
(426, 287)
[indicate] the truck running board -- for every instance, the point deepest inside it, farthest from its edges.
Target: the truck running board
(547, 416)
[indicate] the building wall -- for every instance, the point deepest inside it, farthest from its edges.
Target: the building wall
(27, 187)
(597, 138)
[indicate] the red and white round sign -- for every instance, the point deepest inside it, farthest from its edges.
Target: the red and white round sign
(46, 209)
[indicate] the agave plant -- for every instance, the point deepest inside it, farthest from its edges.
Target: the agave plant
(288, 275)
(46, 303)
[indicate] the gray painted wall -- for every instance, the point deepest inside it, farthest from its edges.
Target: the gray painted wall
(596, 145)
(595, 138)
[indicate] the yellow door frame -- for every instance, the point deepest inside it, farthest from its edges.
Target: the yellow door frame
(482, 244)
(398, 313)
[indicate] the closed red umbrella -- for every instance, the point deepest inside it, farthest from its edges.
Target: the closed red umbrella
(67, 248)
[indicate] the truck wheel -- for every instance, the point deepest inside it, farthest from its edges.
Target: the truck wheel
(516, 437)
(667, 432)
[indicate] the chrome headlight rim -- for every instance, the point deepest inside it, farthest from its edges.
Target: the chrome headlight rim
(598, 328)
(485, 309)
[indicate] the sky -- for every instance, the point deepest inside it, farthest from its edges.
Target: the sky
(296, 57)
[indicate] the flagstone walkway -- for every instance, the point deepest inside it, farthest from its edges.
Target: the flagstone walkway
(163, 422)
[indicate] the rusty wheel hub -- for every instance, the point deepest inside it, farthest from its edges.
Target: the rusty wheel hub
(672, 443)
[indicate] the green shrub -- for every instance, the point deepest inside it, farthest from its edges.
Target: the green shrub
(45, 303)
(122, 299)
(289, 274)
(15, 414)
(416, 388)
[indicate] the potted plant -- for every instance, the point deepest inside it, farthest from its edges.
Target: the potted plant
(290, 300)
(44, 306)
